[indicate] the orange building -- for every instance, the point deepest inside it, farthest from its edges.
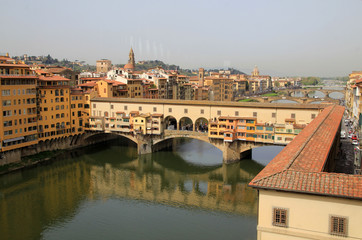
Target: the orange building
(18, 105)
(54, 118)
(79, 111)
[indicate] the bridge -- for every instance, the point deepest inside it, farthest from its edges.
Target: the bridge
(287, 94)
(303, 100)
(192, 119)
(306, 91)
(232, 151)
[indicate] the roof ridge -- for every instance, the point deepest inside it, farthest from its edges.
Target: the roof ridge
(308, 139)
(276, 173)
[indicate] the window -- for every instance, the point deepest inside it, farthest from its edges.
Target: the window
(185, 110)
(218, 112)
(201, 111)
(112, 106)
(255, 114)
(313, 116)
(338, 226)
(280, 217)
(125, 108)
(94, 105)
(292, 115)
(140, 108)
(170, 110)
(154, 109)
(236, 113)
(274, 115)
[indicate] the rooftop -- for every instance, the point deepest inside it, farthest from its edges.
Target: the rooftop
(213, 103)
(299, 167)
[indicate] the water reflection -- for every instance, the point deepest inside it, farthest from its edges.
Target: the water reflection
(57, 200)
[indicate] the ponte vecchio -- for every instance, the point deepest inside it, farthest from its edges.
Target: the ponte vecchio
(234, 128)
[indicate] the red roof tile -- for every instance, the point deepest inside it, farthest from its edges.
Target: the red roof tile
(299, 166)
(52, 78)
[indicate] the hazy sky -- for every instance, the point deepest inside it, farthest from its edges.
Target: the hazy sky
(281, 37)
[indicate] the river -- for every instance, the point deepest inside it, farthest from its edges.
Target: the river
(108, 192)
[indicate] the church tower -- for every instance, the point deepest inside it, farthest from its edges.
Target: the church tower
(255, 71)
(131, 57)
(130, 66)
(201, 77)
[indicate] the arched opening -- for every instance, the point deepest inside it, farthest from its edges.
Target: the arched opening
(316, 94)
(336, 95)
(186, 124)
(170, 123)
(298, 94)
(201, 125)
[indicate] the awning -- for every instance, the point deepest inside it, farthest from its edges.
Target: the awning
(13, 139)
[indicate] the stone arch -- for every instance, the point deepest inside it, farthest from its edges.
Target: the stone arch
(314, 91)
(201, 124)
(335, 92)
(185, 123)
(170, 138)
(170, 123)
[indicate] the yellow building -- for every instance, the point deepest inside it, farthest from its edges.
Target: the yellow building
(54, 113)
(18, 105)
(140, 123)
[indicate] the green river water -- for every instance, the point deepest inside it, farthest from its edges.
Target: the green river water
(108, 192)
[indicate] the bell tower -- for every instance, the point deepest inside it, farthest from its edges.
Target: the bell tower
(255, 71)
(131, 57)
(201, 77)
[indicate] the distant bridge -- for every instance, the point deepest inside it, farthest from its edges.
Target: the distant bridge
(303, 100)
(306, 91)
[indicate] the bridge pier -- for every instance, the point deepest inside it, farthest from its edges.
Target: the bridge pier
(230, 152)
(144, 144)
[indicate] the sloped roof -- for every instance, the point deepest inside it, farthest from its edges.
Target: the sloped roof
(299, 166)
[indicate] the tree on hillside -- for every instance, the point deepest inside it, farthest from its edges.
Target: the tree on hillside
(310, 80)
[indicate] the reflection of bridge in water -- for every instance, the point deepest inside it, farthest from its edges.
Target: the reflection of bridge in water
(220, 188)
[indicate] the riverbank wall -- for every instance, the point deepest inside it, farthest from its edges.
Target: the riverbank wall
(15, 157)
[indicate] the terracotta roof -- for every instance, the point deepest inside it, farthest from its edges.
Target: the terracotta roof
(88, 84)
(52, 78)
(299, 166)
(157, 115)
(13, 65)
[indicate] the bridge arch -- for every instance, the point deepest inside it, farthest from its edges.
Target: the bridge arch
(170, 123)
(314, 92)
(90, 138)
(185, 123)
(201, 124)
(169, 138)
